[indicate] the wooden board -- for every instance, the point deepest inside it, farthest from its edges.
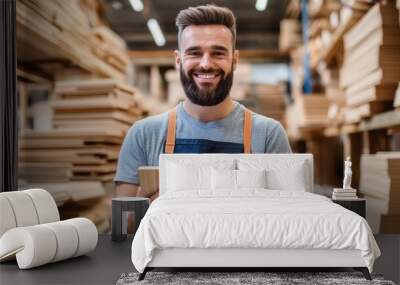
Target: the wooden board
(87, 135)
(61, 142)
(396, 102)
(71, 191)
(116, 115)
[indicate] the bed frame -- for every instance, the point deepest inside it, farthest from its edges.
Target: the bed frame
(256, 258)
(242, 258)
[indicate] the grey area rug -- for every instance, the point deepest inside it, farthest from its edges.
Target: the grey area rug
(233, 278)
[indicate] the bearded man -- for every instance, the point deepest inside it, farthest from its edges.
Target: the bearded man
(208, 121)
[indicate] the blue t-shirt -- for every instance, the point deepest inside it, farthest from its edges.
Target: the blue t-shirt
(145, 140)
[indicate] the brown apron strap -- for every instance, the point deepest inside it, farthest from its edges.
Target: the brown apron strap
(247, 126)
(170, 143)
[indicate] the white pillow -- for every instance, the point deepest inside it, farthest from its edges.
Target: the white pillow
(237, 179)
(187, 175)
(294, 180)
(183, 178)
(285, 174)
(251, 179)
(223, 179)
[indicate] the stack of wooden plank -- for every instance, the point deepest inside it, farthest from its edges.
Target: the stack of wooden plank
(297, 71)
(73, 165)
(97, 210)
(320, 28)
(270, 100)
(340, 22)
(90, 120)
(73, 192)
(312, 110)
(289, 35)
(354, 9)
(371, 68)
(69, 155)
(380, 185)
(396, 102)
(398, 7)
(61, 29)
(95, 104)
(322, 8)
(110, 47)
(335, 95)
(308, 113)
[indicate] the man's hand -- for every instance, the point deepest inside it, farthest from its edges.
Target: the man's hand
(132, 190)
(126, 190)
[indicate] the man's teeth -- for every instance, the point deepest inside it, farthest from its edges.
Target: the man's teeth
(206, 76)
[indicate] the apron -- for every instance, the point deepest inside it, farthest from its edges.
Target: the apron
(174, 145)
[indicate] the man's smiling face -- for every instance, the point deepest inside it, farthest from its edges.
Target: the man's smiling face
(206, 61)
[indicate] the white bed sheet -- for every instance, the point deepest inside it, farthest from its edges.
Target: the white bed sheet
(252, 218)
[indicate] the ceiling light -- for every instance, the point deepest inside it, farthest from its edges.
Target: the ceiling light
(261, 5)
(137, 5)
(156, 32)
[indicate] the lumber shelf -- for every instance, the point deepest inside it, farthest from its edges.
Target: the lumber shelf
(385, 120)
(328, 53)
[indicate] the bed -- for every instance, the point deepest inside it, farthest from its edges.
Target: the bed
(241, 210)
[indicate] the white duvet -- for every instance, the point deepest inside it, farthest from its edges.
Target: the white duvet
(253, 218)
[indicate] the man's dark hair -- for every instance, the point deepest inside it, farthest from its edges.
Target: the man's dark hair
(206, 15)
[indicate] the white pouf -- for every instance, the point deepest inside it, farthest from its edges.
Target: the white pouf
(7, 220)
(41, 244)
(23, 208)
(46, 207)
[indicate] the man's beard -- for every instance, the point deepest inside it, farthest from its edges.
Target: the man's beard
(206, 97)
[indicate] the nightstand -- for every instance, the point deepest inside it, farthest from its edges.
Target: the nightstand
(357, 205)
(120, 207)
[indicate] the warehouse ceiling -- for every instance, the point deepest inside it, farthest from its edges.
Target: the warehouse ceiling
(256, 30)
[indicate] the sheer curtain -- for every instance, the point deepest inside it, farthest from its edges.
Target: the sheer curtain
(8, 98)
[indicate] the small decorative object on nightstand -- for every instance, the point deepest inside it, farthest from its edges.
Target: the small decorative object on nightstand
(347, 196)
(347, 192)
(119, 219)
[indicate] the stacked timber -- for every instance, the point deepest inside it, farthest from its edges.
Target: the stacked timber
(341, 19)
(371, 68)
(354, 9)
(90, 120)
(398, 7)
(380, 185)
(321, 27)
(73, 192)
(69, 155)
(312, 110)
(297, 71)
(77, 158)
(108, 46)
(289, 35)
(307, 113)
(69, 30)
(333, 92)
(97, 210)
(75, 166)
(270, 100)
(396, 102)
(322, 8)
(96, 104)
